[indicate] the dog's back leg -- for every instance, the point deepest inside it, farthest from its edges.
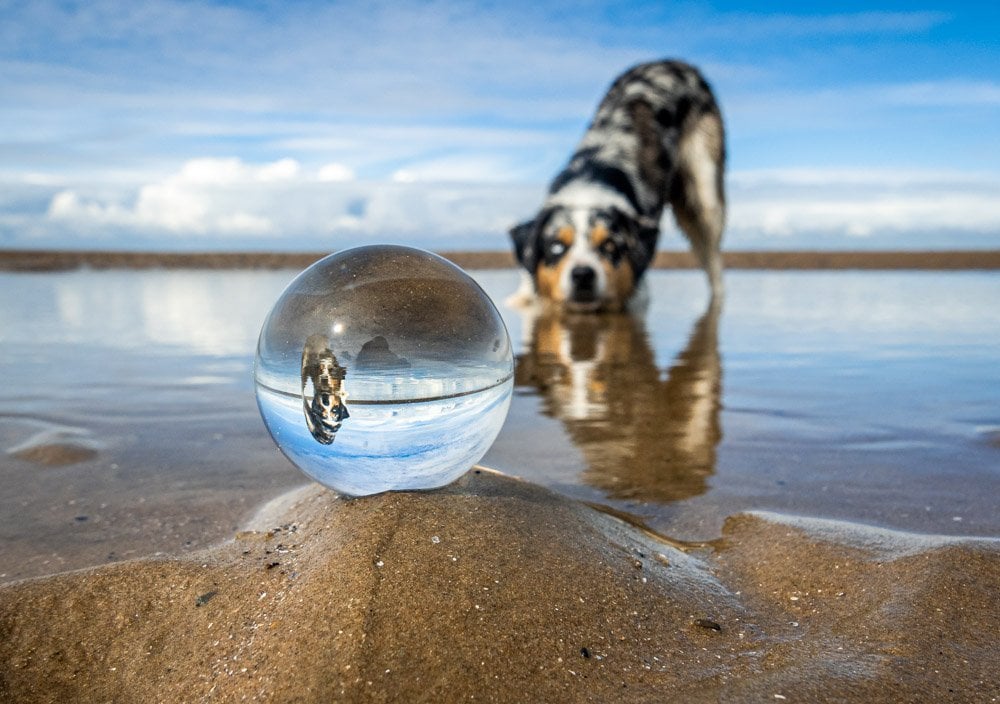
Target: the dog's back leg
(697, 195)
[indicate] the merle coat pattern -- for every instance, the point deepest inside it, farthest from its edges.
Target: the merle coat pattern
(656, 140)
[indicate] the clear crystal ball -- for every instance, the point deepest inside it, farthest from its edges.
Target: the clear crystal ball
(383, 368)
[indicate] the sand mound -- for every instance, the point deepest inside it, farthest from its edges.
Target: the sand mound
(56, 446)
(497, 590)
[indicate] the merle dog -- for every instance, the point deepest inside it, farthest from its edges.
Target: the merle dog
(657, 139)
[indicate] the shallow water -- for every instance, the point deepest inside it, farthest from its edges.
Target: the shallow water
(128, 421)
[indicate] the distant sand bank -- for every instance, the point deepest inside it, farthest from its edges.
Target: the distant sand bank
(496, 590)
(58, 260)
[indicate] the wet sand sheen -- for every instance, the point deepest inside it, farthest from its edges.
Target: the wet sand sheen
(493, 588)
(677, 420)
(128, 424)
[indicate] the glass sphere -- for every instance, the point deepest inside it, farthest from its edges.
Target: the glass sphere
(383, 368)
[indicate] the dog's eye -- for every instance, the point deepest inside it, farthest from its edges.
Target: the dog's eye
(556, 248)
(609, 247)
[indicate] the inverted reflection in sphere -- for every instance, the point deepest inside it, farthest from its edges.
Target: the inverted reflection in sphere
(383, 368)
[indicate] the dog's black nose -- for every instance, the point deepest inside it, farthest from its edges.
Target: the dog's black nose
(584, 278)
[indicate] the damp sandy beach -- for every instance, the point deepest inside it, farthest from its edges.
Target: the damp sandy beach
(793, 498)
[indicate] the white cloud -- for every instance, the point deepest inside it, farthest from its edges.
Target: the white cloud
(862, 203)
(482, 168)
(351, 83)
(216, 172)
(885, 178)
(67, 205)
(281, 170)
(943, 93)
(228, 200)
(335, 172)
(222, 199)
(207, 196)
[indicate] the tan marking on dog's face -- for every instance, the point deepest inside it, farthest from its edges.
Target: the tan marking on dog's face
(598, 234)
(547, 279)
(620, 278)
(548, 276)
(565, 234)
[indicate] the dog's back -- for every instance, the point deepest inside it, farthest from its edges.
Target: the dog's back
(639, 128)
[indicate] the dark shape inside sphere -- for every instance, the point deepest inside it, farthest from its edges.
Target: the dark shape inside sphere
(375, 354)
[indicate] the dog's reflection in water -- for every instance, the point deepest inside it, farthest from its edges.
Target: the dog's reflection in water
(645, 436)
(322, 395)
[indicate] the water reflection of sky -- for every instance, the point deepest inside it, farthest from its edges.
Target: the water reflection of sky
(216, 313)
(861, 395)
(220, 312)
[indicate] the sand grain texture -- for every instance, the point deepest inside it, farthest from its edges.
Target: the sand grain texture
(498, 590)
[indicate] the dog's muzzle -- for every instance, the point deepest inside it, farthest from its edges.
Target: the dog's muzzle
(584, 284)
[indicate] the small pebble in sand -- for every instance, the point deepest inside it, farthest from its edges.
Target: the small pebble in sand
(205, 598)
(708, 623)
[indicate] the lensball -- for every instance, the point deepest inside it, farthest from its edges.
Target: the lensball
(383, 368)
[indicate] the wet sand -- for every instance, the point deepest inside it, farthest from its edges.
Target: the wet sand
(494, 588)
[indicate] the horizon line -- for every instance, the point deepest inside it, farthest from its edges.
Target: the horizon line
(24, 260)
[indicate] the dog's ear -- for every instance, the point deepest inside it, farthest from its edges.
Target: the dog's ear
(525, 238)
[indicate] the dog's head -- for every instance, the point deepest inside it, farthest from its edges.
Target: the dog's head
(585, 259)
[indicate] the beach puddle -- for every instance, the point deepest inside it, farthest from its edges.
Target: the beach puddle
(865, 397)
(646, 433)
(861, 396)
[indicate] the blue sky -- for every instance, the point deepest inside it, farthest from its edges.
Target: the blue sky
(304, 125)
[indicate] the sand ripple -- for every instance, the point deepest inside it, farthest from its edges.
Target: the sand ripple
(498, 590)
